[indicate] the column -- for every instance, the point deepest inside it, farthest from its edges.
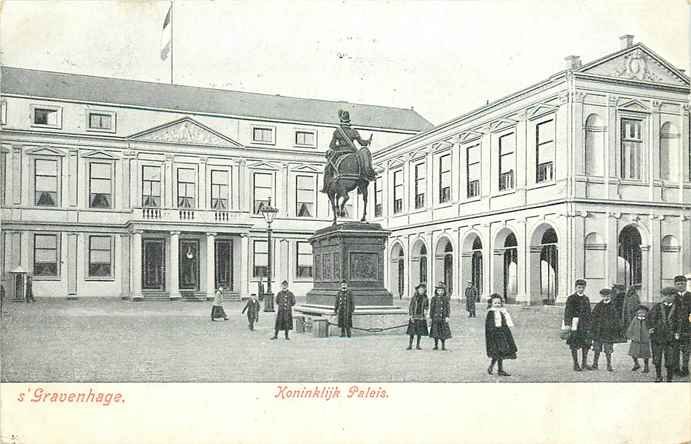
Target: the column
(654, 281)
(522, 290)
(244, 266)
(646, 275)
(284, 264)
(124, 266)
(431, 262)
(612, 248)
(611, 143)
(652, 163)
(136, 269)
(168, 182)
(210, 264)
(127, 179)
(17, 175)
(174, 265)
(487, 245)
(72, 195)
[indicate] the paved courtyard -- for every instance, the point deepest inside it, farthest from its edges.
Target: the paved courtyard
(105, 340)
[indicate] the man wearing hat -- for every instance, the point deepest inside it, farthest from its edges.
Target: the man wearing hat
(417, 324)
(578, 317)
(471, 296)
(344, 309)
(683, 301)
(285, 300)
(663, 324)
(606, 328)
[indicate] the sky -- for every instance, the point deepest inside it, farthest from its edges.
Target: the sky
(443, 58)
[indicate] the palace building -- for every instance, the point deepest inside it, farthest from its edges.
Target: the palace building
(585, 174)
(123, 188)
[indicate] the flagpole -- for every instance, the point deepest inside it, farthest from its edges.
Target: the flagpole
(172, 37)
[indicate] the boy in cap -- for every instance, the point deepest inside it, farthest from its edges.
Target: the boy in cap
(417, 324)
(640, 339)
(684, 343)
(663, 322)
(252, 309)
(578, 317)
(606, 329)
(285, 300)
(470, 299)
(344, 309)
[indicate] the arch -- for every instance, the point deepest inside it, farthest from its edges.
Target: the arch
(472, 260)
(630, 257)
(419, 263)
(594, 145)
(470, 240)
(506, 264)
(669, 149)
(593, 239)
(671, 259)
(670, 242)
(397, 269)
(544, 264)
(443, 263)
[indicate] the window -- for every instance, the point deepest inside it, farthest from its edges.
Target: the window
(263, 135)
(260, 255)
(304, 196)
(263, 190)
(219, 190)
(506, 161)
(545, 151)
(45, 183)
(473, 170)
(101, 121)
(45, 116)
(186, 188)
(420, 185)
(378, 194)
(46, 255)
(100, 256)
(100, 185)
(445, 178)
(151, 186)
(304, 260)
(305, 138)
(397, 191)
(631, 142)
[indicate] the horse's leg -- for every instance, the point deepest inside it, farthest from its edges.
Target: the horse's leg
(346, 198)
(363, 190)
(332, 201)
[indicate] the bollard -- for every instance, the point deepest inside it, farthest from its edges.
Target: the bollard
(299, 324)
(320, 328)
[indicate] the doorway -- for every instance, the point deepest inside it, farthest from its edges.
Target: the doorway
(154, 265)
(224, 263)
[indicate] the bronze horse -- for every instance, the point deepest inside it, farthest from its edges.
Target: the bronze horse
(349, 175)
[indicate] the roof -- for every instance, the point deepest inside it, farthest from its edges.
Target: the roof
(87, 88)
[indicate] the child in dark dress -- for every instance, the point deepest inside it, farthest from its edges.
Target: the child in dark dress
(417, 324)
(498, 338)
(439, 312)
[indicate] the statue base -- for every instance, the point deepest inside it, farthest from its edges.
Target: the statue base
(387, 320)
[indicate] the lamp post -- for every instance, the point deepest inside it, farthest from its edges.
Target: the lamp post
(269, 213)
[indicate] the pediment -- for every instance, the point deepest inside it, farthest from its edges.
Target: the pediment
(633, 105)
(395, 163)
(540, 110)
(501, 124)
(441, 145)
(98, 155)
(185, 131)
(470, 135)
(637, 63)
(261, 165)
(44, 151)
(305, 169)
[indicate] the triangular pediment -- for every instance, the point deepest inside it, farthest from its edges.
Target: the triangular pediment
(441, 145)
(98, 155)
(633, 105)
(185, 131)
(470, 135)
(501, 124)
(305, 169)
(261, 165)
(395, 163)
(540, 110)
(637, 63)
(44, 151)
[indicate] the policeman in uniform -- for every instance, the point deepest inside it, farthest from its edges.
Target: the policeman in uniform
(285, 300)
(344, 309)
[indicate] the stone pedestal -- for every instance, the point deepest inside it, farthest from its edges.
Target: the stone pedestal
(354, 252)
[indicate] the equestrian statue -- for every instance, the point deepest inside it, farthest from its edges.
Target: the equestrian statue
(347, 167)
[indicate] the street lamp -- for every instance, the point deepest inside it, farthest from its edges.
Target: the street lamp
(269, 213)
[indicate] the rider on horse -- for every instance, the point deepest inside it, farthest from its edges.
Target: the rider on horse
(342, 144)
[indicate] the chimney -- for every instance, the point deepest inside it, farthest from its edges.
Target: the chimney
(573, 62)
(626, 41)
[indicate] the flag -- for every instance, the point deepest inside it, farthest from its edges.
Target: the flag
(167, 34)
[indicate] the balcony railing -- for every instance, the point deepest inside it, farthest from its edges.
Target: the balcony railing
(506, 181)
(545, 172)
(187, 214)
(419, 201)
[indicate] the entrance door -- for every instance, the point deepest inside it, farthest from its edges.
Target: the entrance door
(189, 264)
(224, 263)
(154, 265)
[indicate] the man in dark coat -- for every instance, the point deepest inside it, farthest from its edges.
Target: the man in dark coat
(29, 289)
(417, 323)
(344, 308)
(252, 309)
(578, 317)
(683, 301)
(471, 296)
(606, 328)
(439, 312)
(663, 322)
(285, 300)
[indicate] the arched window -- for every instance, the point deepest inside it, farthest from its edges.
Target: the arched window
(630, 268)
(669, 150)
(594, 145)
(549, 265)
(595, 256)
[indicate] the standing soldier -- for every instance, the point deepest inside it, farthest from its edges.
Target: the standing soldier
(417, 324)
(471, 296)
(252, 309)
(439, 312)
(663, 322)
(344, 309)
(578, 317)
(684, 343)
(285, 300)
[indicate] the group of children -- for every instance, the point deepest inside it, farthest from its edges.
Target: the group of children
(661, 332)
